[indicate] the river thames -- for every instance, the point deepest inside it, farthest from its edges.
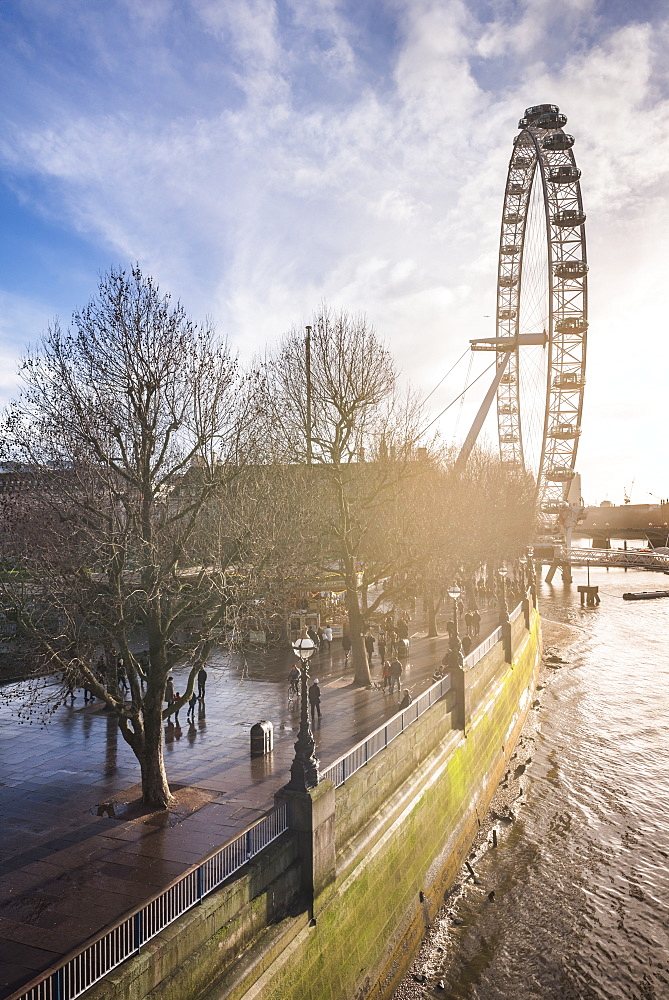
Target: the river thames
(580, 879)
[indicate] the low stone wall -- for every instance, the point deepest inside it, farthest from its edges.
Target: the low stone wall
(345, 922)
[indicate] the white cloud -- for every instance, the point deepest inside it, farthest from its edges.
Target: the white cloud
(383, 196)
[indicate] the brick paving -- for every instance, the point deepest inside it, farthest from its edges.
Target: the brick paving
(66, 872)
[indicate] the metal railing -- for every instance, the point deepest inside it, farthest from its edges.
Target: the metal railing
(83, 969)
(363, 752)
(125, 939)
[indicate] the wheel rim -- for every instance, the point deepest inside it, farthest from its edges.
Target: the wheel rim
(555, 285)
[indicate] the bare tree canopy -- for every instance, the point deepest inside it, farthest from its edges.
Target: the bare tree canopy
(130, 423)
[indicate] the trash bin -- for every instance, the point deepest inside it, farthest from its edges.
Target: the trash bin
(262, 738)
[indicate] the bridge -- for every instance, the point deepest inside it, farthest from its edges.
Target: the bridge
(622, 558)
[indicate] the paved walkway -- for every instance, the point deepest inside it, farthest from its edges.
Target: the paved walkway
(67, 872)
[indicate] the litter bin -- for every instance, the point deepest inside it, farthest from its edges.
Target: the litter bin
(262, 738)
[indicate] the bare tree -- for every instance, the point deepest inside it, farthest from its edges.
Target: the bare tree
(129, 427)
(358, 432)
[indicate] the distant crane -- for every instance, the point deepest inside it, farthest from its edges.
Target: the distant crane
(628, 496)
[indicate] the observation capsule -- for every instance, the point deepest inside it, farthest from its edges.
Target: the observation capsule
(516, 188)
(523, 123)
(540, 109)
(512, 218)
(571, 269)
(510, 249)
(508, 378)
(564, 432)
(569, 217)
(559, 475)
(508, 438)
(508, 280)
(558, 140)
(506, 313)
(508, 408)
(564, 175)
(569, 380)
(522, 162)
(571, 324)
(552, 120)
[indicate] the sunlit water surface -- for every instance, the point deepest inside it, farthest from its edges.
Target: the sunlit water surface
(581, 907)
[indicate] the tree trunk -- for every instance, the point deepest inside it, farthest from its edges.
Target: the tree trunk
(155, 789)
(431, 612)
(355, 626)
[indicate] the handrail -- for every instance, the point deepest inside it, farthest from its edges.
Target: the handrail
(89, 963)
(80, 969)
(366, 749)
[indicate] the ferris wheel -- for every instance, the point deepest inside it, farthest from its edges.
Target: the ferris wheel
(542, 314)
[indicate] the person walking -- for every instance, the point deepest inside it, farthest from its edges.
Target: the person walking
(382, 646)
(385, 674)
(201, 683)
(315, 699)
(327, 636)
(369, 646)
(346, 645)
(192, 702)
(176, 713)
(395, 674)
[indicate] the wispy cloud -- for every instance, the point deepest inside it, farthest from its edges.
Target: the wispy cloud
(257, 156)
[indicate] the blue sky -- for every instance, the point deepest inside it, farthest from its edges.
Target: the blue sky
(256, 157)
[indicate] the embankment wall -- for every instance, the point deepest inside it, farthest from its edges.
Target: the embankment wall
(398, 831)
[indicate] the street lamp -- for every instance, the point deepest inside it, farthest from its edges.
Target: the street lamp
(455, 652)
(304, 769)
(523, 564)
(503, 609)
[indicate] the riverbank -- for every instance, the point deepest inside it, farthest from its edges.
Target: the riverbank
(475, 889)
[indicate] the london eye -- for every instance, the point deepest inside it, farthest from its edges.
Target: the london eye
(541, 313)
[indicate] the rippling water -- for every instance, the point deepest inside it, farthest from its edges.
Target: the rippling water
(581, 878)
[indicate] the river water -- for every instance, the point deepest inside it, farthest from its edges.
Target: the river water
(581, 874)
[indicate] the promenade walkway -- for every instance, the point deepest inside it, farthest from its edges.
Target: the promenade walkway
(67, 872)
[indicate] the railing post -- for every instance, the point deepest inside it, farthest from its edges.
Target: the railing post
(59, 985)
(385, 732)
(138, 931)
(249, 846)
(199, 884)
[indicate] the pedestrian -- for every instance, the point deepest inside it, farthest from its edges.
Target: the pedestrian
(406, 699)
(176, 712)
(402, 629)
(466, 645)
(385, 674)
(192, 702)
(346, 645)
(395, 674)
(315, 699)
(201, 682)
(382, 646)
(369, 646)
(476, 619)
(327, 636)
(392, 640)
(169, 690)
(121, 676)
(469, 623)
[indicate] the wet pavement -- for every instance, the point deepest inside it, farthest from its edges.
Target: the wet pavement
(66, 872)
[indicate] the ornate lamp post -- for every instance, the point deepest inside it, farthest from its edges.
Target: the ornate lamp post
(533, 579)
(523, 564)
(304, 769)
(503, 609)
(455, 651)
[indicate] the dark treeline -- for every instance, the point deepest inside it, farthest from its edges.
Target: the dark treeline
(159, 490)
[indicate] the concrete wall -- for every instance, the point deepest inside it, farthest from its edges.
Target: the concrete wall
(394, 838)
